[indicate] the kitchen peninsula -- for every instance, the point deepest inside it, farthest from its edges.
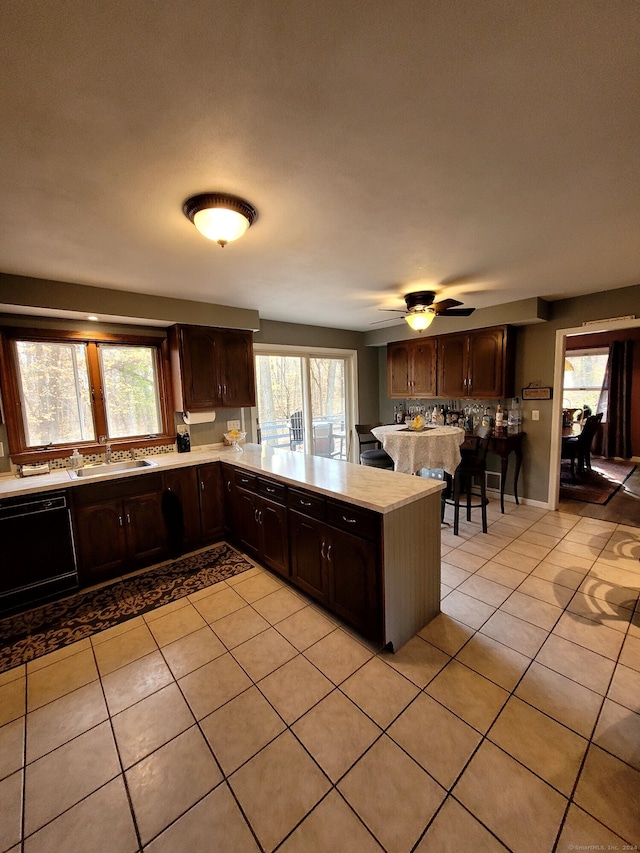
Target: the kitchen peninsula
(363, 542)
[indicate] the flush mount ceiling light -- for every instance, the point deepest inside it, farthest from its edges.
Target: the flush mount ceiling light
(220, 217)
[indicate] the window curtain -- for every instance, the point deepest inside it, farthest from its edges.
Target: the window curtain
(615, 401)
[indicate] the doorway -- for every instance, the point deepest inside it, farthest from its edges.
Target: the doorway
(556, 419)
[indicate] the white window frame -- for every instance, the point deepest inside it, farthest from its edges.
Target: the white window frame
(350, 358)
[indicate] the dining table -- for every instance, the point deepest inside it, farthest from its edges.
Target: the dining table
(411, 450)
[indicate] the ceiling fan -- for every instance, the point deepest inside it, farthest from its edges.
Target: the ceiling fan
(422, 310)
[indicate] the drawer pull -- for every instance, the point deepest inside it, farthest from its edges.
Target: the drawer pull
(305, 503)
(244, 480)
(349, 520)
(270, 490)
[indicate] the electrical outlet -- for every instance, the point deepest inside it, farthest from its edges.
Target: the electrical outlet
(233, 425)
(535, 415)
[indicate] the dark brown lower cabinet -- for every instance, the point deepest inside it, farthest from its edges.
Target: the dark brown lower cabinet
(309, 569)
(339, 569)
(256, 517)
(181, 509)
(119, 526)
(193, 507)
(211, 502)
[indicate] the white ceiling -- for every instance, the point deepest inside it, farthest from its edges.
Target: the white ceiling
(488, 150)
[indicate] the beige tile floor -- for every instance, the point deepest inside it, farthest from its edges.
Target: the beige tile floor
(244, 718)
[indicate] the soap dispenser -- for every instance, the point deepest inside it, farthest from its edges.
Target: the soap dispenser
(76, 460)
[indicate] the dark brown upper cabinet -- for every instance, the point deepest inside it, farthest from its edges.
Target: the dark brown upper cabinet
(411, 368)
(477, 364)
(211, 368)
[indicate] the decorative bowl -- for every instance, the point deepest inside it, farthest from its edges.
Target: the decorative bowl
(234, 437)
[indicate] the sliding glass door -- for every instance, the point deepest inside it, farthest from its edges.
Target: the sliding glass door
(305, 401)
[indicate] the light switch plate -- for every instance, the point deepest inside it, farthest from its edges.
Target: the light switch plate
(233, 425)
(535, 415)
(1, 448)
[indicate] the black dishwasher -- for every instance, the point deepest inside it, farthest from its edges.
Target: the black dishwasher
(37, 558)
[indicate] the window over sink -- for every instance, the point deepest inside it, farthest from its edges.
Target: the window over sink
(64, 390)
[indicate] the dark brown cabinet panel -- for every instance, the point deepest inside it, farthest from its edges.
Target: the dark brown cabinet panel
(211, 368)
(211, 501)
(478, 364)
(181, 509)
(353, 582)
(274, 536)
(100, 541)
(453, 366)
(122, 531)
(308, 564)
(411, 368)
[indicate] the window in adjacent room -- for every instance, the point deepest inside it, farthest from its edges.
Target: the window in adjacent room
(583, 377)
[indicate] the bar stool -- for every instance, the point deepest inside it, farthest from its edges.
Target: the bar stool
(374, 457)
(472, 464)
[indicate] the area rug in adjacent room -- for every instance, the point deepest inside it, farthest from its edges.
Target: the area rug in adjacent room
(598, 485)
(32, 633)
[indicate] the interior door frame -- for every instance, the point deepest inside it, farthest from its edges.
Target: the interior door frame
(591, 328)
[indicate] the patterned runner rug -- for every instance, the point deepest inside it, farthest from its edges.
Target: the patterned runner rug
(28, 635)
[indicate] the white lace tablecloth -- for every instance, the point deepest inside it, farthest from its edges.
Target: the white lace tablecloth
(434, 447)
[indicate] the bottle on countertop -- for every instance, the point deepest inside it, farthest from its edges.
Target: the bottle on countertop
(499, 424)
(514, 417)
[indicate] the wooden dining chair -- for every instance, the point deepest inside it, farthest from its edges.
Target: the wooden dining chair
(577, 448)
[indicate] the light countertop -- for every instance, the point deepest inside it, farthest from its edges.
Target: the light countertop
(372, 488)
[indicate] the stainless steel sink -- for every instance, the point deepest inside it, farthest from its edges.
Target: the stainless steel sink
(105, 468)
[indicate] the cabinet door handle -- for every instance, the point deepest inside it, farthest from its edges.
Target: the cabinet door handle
(329, 553)
(120, 520)
(322, 554)
(128, 518)
(169, 489)
(349, 520)
(229, 486)
(202, 485)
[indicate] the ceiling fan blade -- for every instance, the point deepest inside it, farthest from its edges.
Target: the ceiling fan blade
(456, 312)
(388, 320)
(439, 307)
(395, 310)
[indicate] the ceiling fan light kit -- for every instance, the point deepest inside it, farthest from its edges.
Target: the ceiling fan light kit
(420, 320)
(219, 216)
(422, 310)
